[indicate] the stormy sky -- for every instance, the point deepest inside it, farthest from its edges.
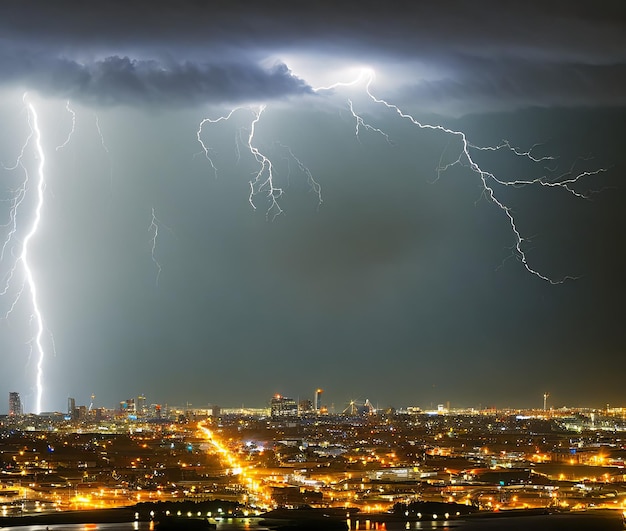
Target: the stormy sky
(392, 281)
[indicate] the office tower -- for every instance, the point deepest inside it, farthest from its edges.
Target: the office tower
(15, 404)
(141, 406)
(71, 408)
(317, 403)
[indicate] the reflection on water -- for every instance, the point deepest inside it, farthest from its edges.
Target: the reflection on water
(373, 525)
(591, 521)
(232, 524)
(226, 524)
(130, 526)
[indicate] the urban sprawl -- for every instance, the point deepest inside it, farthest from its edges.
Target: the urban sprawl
(292, 454)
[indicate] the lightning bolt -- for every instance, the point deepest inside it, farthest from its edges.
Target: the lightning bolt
(465, 158)
(99, 129)
(154, 229)
(505, 144)
(564, 180)
(263, 180)
(69, 136)
(360, 123)
(205, 149)
(313, 184)
(105, 148)
(23, 259)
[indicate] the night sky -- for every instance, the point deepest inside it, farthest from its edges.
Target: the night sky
(403, 286)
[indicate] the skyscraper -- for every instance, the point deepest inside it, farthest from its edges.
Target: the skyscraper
(71, 408)
(317, 401)
(141, 408)
(15, 404)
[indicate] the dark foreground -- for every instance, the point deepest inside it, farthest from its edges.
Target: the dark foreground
(124, 520)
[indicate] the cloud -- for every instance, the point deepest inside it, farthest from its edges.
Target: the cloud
(473, 85)
(119, 80)
(184, 53)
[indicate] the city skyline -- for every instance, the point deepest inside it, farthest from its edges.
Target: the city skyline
(299, 403)
(442, 222)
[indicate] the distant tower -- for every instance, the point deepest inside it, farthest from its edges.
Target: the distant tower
(15, 404)
(317, 403)
(71, 408)
(545, 401)
(141, 405)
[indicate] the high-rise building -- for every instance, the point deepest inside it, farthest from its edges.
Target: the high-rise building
(127, 407)
(142, 409)
(317, 403)
(281, 406)
(71, 408)
(15, 404)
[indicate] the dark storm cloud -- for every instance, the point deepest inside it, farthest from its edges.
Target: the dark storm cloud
(570, 30)
(121, 80)
(195, 51)
(500, 85)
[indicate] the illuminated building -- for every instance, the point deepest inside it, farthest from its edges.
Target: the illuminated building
(71, 408)
(317, 403)
(142, 409)
(305, 406)
(15, 404)
(127, 407)
(281, 406)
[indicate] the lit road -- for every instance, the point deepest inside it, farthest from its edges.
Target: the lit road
(258, 493)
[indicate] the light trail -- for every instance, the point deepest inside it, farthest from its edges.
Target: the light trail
(23, 258)
(262, 496)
